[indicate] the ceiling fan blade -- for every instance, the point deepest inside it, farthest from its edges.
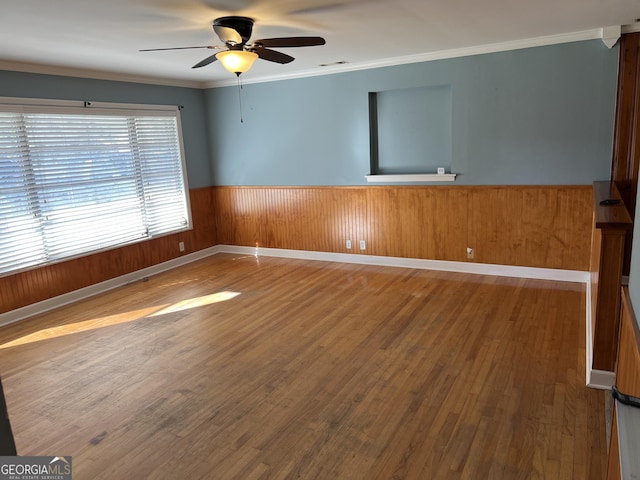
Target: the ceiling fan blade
(180, 48)
(290, 42)
(272, 55)
(206, 61)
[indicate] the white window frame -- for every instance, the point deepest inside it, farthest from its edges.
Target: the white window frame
(27, 105)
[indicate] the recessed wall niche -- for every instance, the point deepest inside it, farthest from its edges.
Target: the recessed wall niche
(410, 130)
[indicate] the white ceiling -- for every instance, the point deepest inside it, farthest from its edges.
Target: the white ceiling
(101, 38)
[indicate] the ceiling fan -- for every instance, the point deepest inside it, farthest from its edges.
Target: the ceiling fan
(239, 55)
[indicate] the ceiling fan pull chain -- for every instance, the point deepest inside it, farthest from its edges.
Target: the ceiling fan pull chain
(240, 97)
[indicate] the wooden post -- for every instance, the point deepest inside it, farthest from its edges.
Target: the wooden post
(611, 221)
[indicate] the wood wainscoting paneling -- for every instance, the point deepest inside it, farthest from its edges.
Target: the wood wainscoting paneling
(35, 285)
(628, 365)
(532, 226)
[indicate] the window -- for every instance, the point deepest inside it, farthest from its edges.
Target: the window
(79, 178)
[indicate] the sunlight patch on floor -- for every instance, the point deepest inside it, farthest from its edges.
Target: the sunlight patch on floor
(196, 302)
(126, 317)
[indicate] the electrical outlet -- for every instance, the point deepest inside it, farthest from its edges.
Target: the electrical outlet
(469, 252)
(363, 245)
(348, 244)
(181, 246)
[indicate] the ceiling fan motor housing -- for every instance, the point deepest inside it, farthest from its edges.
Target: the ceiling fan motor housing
(242, 25)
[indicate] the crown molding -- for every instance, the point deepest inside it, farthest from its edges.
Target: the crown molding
(611, 35)
(580, 36)
(318, 71)
(96, 74)
(633, 28)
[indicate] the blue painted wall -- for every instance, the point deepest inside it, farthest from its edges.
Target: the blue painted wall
(535, 116)
(194, 131)
(413, 130)
(542, 115)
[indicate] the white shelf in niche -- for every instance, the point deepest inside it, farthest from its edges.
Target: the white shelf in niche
(412, 177)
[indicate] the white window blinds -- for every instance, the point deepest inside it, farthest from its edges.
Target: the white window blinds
(74, 181)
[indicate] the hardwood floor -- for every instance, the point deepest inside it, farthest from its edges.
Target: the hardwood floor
(242, 368)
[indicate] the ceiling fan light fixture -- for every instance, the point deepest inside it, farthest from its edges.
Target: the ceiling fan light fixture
(237, 61)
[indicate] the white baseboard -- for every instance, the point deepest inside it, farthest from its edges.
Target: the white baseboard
(589, 336)
(442, 265)
(600, 379)
(86, 292)
(594, 378)
(460, 267)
